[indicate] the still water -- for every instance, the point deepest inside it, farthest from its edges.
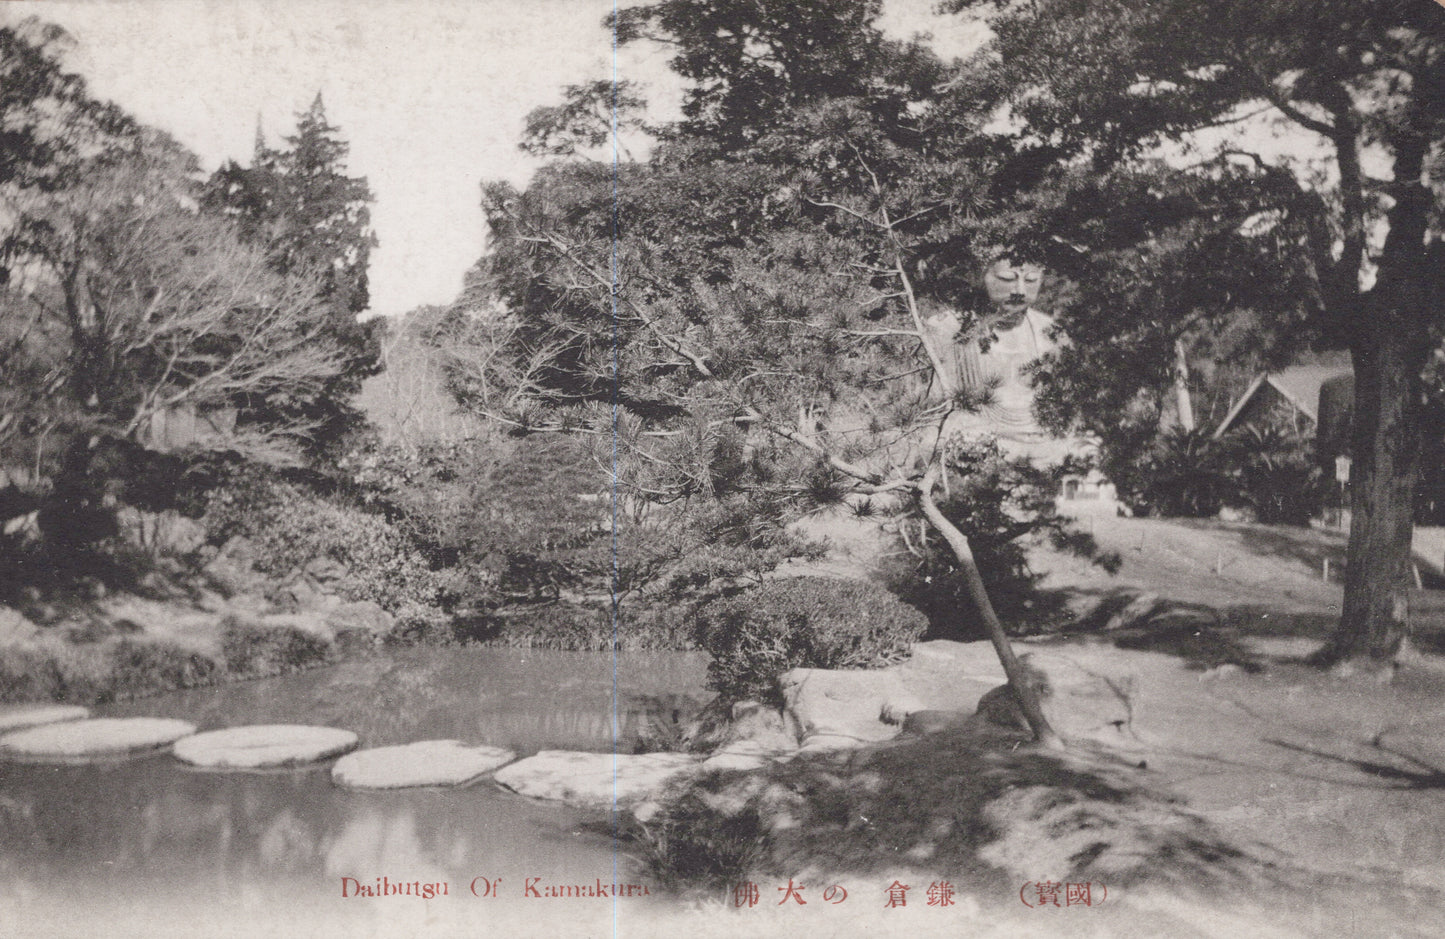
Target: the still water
(137, 844)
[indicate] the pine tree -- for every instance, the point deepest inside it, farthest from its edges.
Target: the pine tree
(311, 216)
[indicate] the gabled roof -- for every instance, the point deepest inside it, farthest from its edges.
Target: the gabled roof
(1298, 384)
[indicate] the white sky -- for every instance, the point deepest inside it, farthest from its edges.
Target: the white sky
(430, 94)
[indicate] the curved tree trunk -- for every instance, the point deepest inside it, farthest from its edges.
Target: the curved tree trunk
(1024, 692)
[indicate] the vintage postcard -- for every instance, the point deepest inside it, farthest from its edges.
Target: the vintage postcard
(632, 468)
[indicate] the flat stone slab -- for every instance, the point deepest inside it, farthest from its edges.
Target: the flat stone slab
(595, 779)
(845, 705)
(746, 755)
(424, 763)
(95, 737)
(264, 746)
(20, 716)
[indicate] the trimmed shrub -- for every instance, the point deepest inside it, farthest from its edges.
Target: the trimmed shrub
(802, 622)
(692, 845)
(144, 668)
(291, 526)
(61, 673)
(253, 650)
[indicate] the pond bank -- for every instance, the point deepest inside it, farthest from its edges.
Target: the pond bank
(152, 840)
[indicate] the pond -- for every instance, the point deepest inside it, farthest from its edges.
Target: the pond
(148, 841)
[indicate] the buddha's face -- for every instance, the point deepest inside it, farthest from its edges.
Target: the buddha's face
(1012, 288)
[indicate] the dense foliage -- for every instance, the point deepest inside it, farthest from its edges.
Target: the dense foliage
(1004, 507)
(291, 526)
(802, 622)
(1272, 157)
(136, 312)
(311, 217)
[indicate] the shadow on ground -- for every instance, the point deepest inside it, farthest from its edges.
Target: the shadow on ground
(987, 811)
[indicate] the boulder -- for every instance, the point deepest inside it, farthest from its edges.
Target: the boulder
(747, 755)
(232, 568)
(301, 622)
(896, 709)
(325, 570)
(424, 763)
(301, 593)
(264, 746)
(1135, 613)
(20, 716)
(185, 626)
(761, 726)
(364, 615)
(94, 737)
(15, 628)
(933, 721)
(595, 780)
(1092, 612)
(839, 709)
(167, 532)
(1000, 707)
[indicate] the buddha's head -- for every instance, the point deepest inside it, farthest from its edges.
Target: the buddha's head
(1012, 287)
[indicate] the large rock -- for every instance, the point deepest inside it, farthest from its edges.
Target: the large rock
(311, 623)
(596, 780)
(166, 532)
(20, 716)
(189, 628)
(232, 568)
(326, 571)
(840, 709)
(264, 746)
(747, 755)
(365, 615)
(15, 628)
(303, 593)
(97, 737)
(1136, 613)
(424, 763)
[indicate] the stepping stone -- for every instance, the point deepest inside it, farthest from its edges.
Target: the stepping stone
(97, 737)
(424, 763)
(21, 716)
(746, 755)
(595, 779)
(264, 746)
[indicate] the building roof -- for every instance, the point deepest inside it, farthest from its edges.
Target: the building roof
(1298, 384)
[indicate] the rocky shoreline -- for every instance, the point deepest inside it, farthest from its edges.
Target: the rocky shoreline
(181, 628)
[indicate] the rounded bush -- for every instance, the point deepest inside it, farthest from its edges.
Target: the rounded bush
(802, 622)
(291, 527)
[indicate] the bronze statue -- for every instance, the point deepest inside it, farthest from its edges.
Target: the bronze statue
(990, 364)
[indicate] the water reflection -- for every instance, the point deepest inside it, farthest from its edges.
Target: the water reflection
(153, 828)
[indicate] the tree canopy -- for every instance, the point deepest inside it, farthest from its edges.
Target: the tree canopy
(746, 310)
(126, 298)
(299, 206)
(1181, 228)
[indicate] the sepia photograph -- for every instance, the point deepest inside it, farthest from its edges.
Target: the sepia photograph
(685, 468)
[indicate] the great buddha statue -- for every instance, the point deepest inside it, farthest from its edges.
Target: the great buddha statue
(990, 362)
